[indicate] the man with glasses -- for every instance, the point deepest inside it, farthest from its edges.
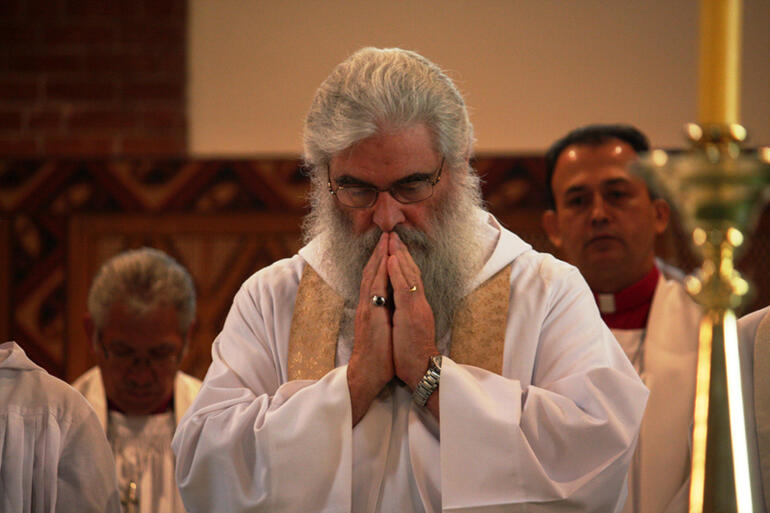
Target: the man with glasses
(414, 355)
(141, 309)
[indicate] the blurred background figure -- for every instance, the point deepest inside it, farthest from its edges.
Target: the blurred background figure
(754, 336)
(604, 220)
(141, 310)
(53, 453)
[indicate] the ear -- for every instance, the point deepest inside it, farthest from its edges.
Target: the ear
(550, 224)
(662, 214)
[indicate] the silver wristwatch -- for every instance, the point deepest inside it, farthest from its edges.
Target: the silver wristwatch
(429, 382)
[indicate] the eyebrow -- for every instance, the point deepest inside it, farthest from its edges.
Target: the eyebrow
(607, 183)
(344, 180)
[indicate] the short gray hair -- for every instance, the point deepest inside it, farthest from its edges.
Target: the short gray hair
(142, 279)
(380, 89)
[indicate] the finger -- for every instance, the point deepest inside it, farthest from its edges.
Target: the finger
(397, 246)
(379, 284)
(409, 269)
(396, 274)
(372, 267)
(401, 285)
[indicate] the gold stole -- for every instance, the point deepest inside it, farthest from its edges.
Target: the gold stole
(762, 401)
(478, 329)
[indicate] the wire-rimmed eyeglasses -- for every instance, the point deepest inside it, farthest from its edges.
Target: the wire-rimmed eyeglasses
(158, 358)
(409, 190)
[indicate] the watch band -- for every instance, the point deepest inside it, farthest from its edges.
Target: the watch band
(429, 382)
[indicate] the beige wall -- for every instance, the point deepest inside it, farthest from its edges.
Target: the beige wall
(530, 70)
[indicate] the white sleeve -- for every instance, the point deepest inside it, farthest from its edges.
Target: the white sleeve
(560, 442)
(242, 417)
(86, 469)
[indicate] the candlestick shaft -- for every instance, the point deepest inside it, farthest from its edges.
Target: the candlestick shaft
(719, 68)
(720, 480)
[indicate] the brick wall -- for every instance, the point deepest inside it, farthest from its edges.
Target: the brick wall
(92, 77)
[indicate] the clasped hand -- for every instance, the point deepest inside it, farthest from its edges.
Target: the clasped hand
(396, 340)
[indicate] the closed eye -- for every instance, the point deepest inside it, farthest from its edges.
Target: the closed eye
(161, 354)
(616, 195)
(577, 200)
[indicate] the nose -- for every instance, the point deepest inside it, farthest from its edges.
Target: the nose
(387, 212)
(598, 210)
(141, 372)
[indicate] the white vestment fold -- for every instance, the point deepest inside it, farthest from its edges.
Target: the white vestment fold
(554, 432)
(142, 444)
(54, 457)
(659, 478)
(754, 352)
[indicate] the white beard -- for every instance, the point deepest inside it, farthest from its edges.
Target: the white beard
(448, 258)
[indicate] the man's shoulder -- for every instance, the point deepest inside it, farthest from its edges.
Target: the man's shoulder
(188, 382)
(513, 251)
(543, 266)
(279, 275)
(673, 308)
(38, 392)
(671, 288)
(669, 271)
(749, 323)
(86, 380)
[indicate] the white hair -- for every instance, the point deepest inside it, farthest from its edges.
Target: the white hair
(385, 90)
(377, 90)
(143, 279)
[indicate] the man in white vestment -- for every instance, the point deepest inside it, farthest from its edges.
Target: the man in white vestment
(754, 344)
(414, 356)
(141, 309)
(605, 221)
(53, 453)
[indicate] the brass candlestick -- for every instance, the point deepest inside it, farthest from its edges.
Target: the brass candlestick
(719, 192)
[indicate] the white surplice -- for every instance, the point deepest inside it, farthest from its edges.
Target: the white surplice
(554, 432)
(659, 475)
(754, 351)
(142, 444)
(54, 457)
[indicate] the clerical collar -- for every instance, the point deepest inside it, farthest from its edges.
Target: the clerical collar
(629, 308)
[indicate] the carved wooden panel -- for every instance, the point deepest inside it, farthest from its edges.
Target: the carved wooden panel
(41, 198)
(219, 250)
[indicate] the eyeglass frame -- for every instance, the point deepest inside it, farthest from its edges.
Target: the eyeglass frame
(175, 358)
(389, 190)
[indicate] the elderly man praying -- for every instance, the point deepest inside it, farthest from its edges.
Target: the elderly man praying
(415, 355)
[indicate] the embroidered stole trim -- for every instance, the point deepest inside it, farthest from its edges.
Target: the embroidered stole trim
(314, 329)
(762, 401)
(478, 329)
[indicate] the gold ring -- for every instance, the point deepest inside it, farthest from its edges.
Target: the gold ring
(413, 288)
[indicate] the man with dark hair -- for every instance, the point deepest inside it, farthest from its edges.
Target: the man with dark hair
(604, 220)
(414, 356)
(594, 135)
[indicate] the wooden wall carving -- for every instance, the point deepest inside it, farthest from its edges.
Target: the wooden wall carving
(223, 219)
(219, 250)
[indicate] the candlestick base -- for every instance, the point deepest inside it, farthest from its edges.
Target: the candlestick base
(718, 191)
